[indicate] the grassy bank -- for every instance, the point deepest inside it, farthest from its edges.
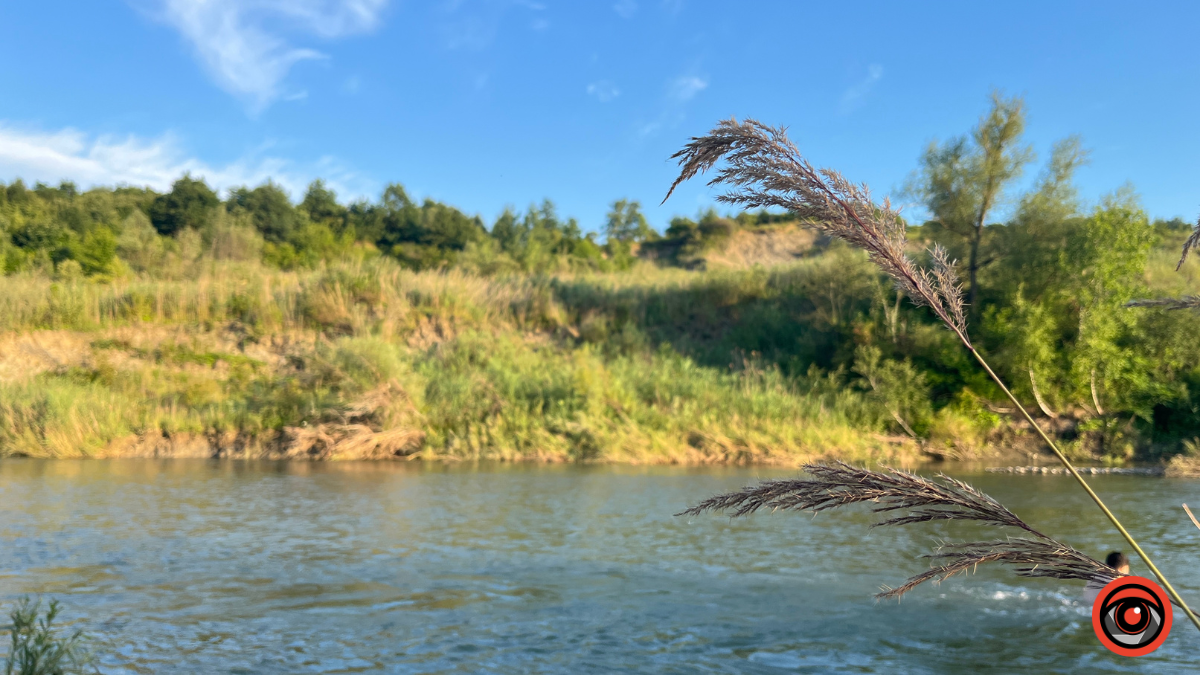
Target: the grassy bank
(817, 357)
(366, 359)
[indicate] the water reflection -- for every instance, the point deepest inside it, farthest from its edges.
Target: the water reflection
(195, 566)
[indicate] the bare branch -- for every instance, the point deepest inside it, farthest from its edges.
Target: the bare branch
(1095, 396)
(1189, 512)
(1037, 396)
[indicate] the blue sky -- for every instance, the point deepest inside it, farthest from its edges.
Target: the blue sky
(488, 103)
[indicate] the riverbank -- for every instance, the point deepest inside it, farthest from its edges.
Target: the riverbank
(369, 361)
(362, 359)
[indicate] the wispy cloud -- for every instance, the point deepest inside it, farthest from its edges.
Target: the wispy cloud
(87, 160)
(475, 24)
(672, 6)
(671, 110)
(626, 8)
(854, 96)
(245, 45)
(683, 89)
(604, 91)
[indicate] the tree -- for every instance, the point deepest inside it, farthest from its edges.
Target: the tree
(962, 181)
(1027, 249)
(270, 210)
(321, 205)
(97, 252)
(625, 223)
(423, 236)
(190, 203)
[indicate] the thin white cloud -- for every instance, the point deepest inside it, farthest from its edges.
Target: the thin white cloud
(72, 155)
(672, 6)
(626, 8)
(244, 44)
(854, 96)
(685, 88)
(474, 25)
(604, 91)
(671, 110)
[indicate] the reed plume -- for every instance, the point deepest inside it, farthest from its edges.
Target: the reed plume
(1192, 242)
(764, 169)
(1187, 301)
(922, 500)
(767, 170)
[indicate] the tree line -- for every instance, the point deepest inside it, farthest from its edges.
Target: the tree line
(104, 232)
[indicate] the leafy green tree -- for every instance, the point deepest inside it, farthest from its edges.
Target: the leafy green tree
(366, 220)
(962, 180)
(140, 245)
(321, 205)
(625, 223)
(1027, 248)
(269, 209)
(16, 192)
(896, 387)
(507, 231)
(423, 236)
(97, 252)
(189, 204)
(539, 240)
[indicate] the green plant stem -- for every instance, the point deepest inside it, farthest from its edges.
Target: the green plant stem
(1095, 497)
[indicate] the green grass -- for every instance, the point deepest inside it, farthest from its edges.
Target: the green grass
(569, 368)
(647, 365)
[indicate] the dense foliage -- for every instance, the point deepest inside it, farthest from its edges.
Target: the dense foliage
(36, 646)
(105, 233)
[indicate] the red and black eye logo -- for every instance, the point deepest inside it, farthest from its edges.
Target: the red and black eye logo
(1132, 616)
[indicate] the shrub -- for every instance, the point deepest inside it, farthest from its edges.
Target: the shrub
(38, 647)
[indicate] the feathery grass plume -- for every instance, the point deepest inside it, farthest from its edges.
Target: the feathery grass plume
(1185, 302)
(1192, 242)
(923, 500)
(1036, 558)
(765, 169)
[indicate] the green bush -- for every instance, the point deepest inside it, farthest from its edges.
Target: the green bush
(38, 647)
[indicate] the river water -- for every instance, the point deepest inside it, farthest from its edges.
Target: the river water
(231, 567)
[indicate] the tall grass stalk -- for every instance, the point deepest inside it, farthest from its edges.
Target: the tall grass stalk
(764, 169)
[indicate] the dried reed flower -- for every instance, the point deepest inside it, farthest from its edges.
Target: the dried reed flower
(766, 170)
(925, 500)
(1192, 242)
(1038, 558)
(839, 484)
(1186, 302)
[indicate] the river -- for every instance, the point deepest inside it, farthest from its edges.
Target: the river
(179, 566)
